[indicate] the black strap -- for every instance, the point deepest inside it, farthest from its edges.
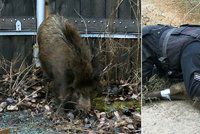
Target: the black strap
(179, 30)
(184, 31)
(194, 35)
(165, 41)
(190, 25)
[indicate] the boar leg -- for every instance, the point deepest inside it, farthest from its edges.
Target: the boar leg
(175, 92)
(63, 83)
(84, 103)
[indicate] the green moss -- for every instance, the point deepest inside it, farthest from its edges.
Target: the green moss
(101, 105)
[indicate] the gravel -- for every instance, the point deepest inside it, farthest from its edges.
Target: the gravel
(176, 117)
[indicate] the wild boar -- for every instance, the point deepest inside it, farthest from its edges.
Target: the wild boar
(67, 61)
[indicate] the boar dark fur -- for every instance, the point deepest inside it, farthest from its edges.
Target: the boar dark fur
(66, 60)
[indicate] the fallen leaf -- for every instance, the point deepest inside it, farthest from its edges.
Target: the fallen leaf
(12, 108)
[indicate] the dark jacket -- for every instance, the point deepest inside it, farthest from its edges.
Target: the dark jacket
(172, 60)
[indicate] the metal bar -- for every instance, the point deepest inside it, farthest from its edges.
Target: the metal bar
(40, 7)
(17, 33)
(127, 36)
(134, 36)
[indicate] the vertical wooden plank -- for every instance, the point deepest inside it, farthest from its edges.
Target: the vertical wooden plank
(20, 47)
(132, 11)
(139, 14)
(12, 46)
(111, 6)
(86, 8)
(125, 10)
(98, 9)
(136, 9)
(29, 8)
(52, 6)
(136, 14)
(58, 6)
(68, 8)
(19, 8)
(6, 49)
(112, 9)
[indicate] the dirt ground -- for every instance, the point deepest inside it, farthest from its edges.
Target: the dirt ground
(28, 106)
(177, 117)
(165, 117)
(171, 12)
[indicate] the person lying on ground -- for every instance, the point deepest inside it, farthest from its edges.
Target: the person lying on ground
(172, 52)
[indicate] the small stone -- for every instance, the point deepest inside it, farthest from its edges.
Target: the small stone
(48, 113)
(88, 126)
(3, 105)
(128, 120)
(115, 90)
(117, 130)
(137, 115)
(97, 113)
(47, 108)
(33, 100)
(120, 123)
(38, 87)
(35, 95)
(102, 114)
(1, 109)
(121, 98)
(86, 120)
(70, 115)
(130, 126)
(116, 113)
(10, 100)
(134, 96)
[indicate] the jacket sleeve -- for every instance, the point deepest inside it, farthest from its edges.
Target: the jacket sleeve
(190, 65)
(147, 64)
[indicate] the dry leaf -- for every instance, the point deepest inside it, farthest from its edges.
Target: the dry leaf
(12, 108)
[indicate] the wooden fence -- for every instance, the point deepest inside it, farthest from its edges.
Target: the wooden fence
(100, 16)
(20, 47)
(116, 16)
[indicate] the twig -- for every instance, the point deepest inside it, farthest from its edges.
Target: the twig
(190, 11)
(27, 97)
(11, 78)
(2, 6)
(86, 29)
(18, 77)
(113, 12)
